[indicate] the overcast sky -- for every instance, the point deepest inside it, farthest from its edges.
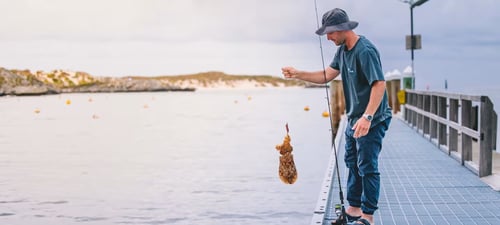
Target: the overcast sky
(461, 39)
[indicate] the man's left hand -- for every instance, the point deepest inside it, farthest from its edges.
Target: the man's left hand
(361, 127)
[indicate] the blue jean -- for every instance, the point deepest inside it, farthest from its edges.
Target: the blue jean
(361, 157)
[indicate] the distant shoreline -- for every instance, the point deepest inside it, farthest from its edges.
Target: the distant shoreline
(27, 83)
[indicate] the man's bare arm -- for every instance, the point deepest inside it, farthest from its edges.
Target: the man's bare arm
(376, 95)
(317, 77)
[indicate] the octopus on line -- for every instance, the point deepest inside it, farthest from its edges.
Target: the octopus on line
(287, 170)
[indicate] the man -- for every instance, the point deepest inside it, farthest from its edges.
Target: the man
(367, 109)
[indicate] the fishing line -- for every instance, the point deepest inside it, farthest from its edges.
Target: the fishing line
(342, 220)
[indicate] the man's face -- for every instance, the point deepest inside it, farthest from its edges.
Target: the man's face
(337, 37)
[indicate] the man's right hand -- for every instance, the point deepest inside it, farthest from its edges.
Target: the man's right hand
(289, 72)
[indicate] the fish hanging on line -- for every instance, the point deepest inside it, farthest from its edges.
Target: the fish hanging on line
(287, 170)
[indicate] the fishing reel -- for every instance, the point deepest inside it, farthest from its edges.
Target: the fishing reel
(341, 219)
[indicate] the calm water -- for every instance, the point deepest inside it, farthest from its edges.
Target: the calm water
(160, 158)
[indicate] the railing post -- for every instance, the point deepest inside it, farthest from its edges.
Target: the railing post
(410, 112)
(427, 108)
(494, 122)
(466, 122)
(390, 93)
(396, 88)
(414, 114)
(442, 127)
(453, 137)
(407, 112)
(433, 122)
(485, 140)
(337, 104)
(420, 117)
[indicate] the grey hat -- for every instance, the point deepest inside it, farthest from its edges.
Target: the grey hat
(335, 20)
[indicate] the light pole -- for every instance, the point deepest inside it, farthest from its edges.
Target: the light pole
(412, 45)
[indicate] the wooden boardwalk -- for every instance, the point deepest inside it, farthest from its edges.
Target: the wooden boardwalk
(420, 185)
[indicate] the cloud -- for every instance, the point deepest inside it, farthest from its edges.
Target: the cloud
(122, 37)
(172, 20)
(238, 21)
(62, 19)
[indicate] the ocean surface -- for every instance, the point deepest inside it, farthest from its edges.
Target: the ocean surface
(204, 157)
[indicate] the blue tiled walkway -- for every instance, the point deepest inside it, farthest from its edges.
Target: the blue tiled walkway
(421, 185)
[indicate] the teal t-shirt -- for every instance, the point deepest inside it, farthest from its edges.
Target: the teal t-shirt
(359, 68)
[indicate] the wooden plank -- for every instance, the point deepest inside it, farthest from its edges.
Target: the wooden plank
(475, 98)
(466, 139)
(434, 105)
(396, 86)
(435, 118)
(453, 136)
(494, 122)
(442, 105)
(427, 108)
(485, 144)
(452, 121)
(420, 118)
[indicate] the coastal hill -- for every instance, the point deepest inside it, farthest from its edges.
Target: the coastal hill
(25, 82)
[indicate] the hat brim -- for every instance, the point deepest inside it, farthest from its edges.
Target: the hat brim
(349, 25)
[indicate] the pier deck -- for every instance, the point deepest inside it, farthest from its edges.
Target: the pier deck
(420, 185)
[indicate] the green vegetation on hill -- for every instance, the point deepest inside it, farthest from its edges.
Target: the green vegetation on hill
(207, 78)
(57, 81)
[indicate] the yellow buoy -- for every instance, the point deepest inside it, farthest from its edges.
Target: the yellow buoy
(325, 114)
(68, 102)
(306, 108)
(37, 110)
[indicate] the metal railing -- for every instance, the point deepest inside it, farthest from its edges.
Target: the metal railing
(463, 126)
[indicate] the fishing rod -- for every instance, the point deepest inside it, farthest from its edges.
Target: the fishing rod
(339, 210)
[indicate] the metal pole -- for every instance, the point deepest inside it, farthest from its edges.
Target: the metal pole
(412, 38)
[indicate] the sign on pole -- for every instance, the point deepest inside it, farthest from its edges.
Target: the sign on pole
(417, 42)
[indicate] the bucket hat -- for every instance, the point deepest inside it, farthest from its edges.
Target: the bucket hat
(335, 20)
